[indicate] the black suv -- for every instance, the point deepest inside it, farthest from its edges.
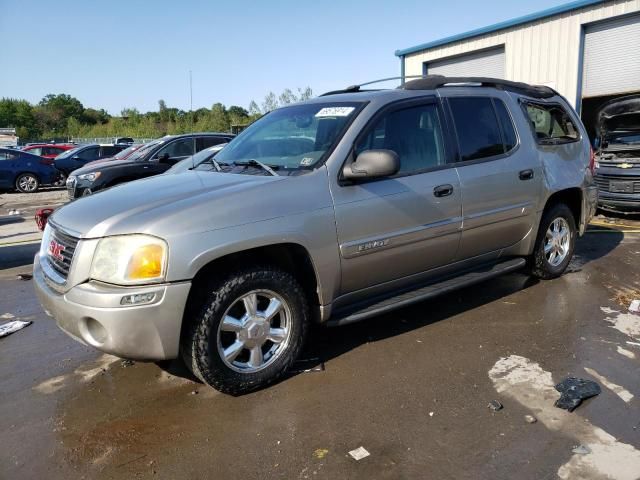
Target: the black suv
(78, 157)
(151, 159)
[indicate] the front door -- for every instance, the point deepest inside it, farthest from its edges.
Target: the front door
(394, 227)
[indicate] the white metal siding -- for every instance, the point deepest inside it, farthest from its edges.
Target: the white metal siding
(545, 51)
(489, 63)
(612, 57)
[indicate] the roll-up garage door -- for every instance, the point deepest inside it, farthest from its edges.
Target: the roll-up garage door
(612, 57)
(488, 63)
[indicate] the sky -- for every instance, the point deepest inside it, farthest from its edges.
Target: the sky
(129, 54)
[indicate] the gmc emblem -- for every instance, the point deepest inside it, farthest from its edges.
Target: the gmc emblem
(55, 250)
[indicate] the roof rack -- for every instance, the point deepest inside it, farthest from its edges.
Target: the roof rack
(431, 82)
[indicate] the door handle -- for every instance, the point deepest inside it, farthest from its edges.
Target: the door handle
(443, 190)
(526, 174)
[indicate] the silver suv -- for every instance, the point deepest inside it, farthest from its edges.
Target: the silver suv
(332, 210)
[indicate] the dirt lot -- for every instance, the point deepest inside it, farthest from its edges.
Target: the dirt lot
(411, 387)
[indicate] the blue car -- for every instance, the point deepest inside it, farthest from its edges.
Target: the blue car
(23, 171)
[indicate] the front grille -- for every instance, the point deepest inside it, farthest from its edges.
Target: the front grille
(604, 182)
(68, 243)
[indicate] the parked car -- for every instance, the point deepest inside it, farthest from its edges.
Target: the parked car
(47, 150)
(154, 158)
(618, 155)
(333, 210)
(126, 140)
(121, 155)
(83, 154)
(24, 171)
(202, 159)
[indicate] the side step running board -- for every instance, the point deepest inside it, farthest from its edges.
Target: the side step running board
(425, 292)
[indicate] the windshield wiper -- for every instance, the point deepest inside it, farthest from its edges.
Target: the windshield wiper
(269, 168)
(211, 161)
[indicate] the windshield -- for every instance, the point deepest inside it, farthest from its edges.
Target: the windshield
(69, 153)
(122, 154)
(291, 138)
(138, 154)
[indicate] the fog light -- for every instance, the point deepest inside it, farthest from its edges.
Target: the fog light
(138, 299)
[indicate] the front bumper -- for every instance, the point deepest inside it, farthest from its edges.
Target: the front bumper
(91, 313)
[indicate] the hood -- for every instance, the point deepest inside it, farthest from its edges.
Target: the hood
(189, 202)
(620, 114)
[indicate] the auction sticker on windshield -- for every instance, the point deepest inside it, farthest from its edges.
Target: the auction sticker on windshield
(335, 112)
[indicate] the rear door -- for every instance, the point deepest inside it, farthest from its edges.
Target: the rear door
(394, 227)
(500, 179)
(7, 168)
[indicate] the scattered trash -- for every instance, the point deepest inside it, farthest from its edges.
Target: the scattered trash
(634, 306)
(359, 453)
(41, 217)
(581, 450)
(14, 212)
(320, 453)
(495, 405)
(530, 419)
(431, 414)
(25, 276)
(574, 390)
(11, 327)
(7, 315)
(127, 363)
(194, 392)
(307, 365)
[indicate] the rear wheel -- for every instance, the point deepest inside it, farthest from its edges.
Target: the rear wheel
(61, 180)
(555, 242)
(27, 183)
(250, 328)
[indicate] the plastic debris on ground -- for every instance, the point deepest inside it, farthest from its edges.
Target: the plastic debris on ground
(359, 453)
(574, 391)
(307, 365)
(634, 306)
(530, 419)
(495, 405)
(12, 327)
(581, 450)
(25, 276)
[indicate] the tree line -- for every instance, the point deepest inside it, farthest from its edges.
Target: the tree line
(61, 116)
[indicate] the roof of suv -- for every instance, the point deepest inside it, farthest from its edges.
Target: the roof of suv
(433, 82)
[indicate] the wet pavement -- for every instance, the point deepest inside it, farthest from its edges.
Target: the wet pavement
(411, 387)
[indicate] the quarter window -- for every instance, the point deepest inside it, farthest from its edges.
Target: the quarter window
(551, 123)
(413, 133)
(477, 127)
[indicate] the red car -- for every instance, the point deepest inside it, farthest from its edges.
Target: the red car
(48, 150)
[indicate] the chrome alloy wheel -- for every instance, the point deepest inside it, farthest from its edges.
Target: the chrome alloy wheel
(254, 331)
(557, 241)
(27, 183)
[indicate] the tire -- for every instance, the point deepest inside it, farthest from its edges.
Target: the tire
(543, 264)
(61, 180)
(27, 183)
(207, 337)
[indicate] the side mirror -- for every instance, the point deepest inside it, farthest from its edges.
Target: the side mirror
(372, 164)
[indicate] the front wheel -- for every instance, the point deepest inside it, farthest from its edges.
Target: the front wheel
(249, 330)
(27, 183)
(60, 180)
(555, 243)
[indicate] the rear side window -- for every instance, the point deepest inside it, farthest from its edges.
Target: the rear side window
(508, 132)
(477, 127)
(109, 151)
(551, 124)
(206, 142)
(89, 154)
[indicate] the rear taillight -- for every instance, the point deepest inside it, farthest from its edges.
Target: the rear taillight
(592, 161)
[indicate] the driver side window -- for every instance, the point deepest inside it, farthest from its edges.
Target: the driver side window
(414, 133)
(179, 148)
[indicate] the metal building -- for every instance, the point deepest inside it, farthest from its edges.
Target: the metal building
(588, 50)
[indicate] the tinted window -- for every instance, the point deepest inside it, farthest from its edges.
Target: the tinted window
(413, 133)
(551, 123)
(179, 148)
(477, 127)
(109, 151)
(35, 151)
(88, 154)
(7, 156)
(508, 132)
(206, 142)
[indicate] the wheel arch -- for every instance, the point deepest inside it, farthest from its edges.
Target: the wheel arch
(572, 198)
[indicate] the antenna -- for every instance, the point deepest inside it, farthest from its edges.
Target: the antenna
(191, 99)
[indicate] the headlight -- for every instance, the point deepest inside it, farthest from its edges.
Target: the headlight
(89, 176)
(130, 260)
